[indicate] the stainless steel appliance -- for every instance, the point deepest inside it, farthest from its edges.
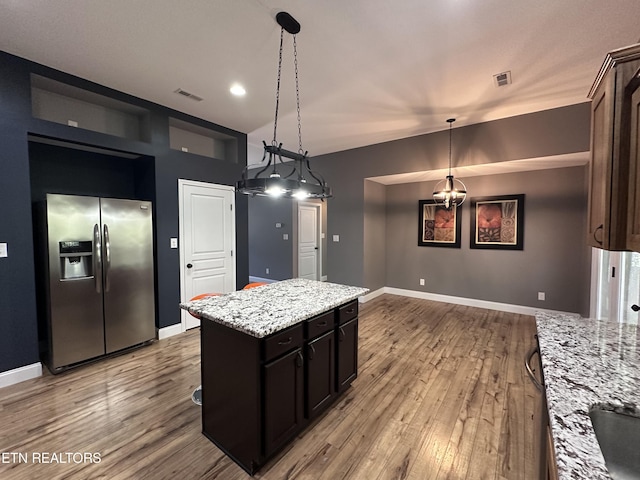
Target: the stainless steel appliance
(98, 259)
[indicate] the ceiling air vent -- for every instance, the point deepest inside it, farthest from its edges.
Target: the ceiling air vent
(188, 95)
(502, 79)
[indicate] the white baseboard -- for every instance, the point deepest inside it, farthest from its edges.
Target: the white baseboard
(469, 302)
(170, 331)
(260, 279)
(371, 295)
(17, 375)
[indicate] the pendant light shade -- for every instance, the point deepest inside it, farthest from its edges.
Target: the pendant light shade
(274, 177)
(450, 192)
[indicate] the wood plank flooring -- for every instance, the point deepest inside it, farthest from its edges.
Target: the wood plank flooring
(441, 394)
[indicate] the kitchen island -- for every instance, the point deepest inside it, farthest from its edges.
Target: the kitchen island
(586, 364)
(272, 359)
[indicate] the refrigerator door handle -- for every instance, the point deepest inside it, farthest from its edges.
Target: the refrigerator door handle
(107, 257)
(97, 258)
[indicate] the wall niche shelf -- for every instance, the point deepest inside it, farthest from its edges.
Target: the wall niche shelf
(68, 105)
(191, 138)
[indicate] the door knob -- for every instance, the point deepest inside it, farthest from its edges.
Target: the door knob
(635, 308)
(189, 265)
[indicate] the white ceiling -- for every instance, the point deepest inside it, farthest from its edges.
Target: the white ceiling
(370, 70)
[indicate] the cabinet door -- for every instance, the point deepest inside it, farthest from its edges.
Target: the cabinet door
(283, 400)
(633, 222)
(347, 354)
(320, 379)
(600, 169)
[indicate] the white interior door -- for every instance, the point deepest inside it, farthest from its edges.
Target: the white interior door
(207, 240)
(308, 241)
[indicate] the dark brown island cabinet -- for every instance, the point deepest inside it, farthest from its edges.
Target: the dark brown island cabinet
(259, 393)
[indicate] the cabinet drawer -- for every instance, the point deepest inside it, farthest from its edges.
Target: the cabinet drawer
(282, 342)
(348, 311)
(316, 326)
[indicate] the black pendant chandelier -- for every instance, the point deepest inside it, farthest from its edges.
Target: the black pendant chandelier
(450, 192)
(275, 177)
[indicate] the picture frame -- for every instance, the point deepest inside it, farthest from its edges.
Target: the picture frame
(437, 226)
(497, 222)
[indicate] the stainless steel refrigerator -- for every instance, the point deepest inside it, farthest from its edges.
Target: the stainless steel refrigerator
(100, 290)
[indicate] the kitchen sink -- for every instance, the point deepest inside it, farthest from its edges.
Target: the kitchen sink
(618, 434)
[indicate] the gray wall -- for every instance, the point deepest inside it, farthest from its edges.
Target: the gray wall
(550, 132)
(374, 244)
(354, 213)
(555, 258)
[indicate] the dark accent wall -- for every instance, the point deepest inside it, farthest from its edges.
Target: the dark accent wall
(267, 249)
(155, 174)
(555, 258)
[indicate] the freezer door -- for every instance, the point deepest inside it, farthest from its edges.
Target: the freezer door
(76, 328)
(129, 298)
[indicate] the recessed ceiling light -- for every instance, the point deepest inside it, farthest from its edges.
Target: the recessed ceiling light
(237, 90)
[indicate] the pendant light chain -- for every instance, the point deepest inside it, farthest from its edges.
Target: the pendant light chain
(275, 123)
(274, 176)
(295, 63)
(450, 125)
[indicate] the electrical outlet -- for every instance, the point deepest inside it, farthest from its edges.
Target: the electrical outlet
(285, 236)
(266, 270)
(72, 123)
(336, 238)
(422, 282)
(541, 296)
(278, 225)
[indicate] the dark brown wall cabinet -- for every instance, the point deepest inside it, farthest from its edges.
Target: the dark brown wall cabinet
(259, 393)
(614, 182)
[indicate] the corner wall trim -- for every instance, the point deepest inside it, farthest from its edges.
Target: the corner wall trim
(169, 331)
(471, 302)
(17, 375)
(371, 295)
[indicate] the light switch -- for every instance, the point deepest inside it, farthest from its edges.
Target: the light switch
(174, 243)
(3, 250)
(322, 235)
(336, 238)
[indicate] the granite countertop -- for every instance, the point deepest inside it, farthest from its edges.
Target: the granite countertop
(261, 311)
(585, 362)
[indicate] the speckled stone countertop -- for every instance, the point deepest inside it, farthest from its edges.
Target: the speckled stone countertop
(264, 310)
(585, 362)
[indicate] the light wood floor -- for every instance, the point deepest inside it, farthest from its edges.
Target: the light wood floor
(441, 394)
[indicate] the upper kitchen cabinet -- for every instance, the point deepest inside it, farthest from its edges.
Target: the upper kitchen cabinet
(614, 210)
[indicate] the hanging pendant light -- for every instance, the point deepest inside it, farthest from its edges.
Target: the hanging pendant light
(450, 192)
(276, 178)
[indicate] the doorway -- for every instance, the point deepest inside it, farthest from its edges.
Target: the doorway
(207, 239)
(309, 240)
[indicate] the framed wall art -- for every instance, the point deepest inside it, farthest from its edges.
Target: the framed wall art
(438, 227)
(497, 222)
